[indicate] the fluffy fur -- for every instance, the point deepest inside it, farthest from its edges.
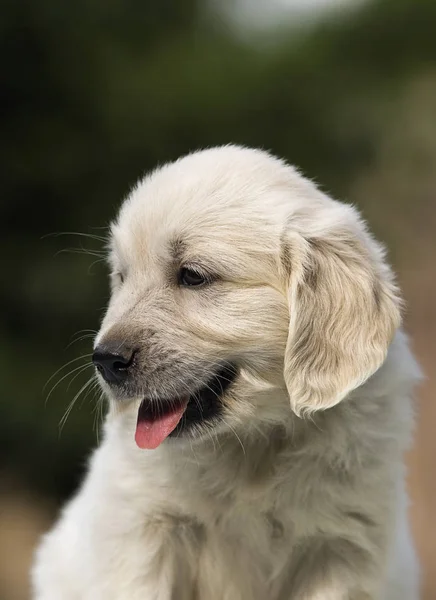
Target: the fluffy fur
(296, 492)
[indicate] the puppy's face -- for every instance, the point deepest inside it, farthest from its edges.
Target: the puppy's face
(229, 274)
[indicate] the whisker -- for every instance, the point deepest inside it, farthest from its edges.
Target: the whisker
(64, 367)
(95, 262)
(82, 367)
(100, 254)
(85, 331)
(87, 366)
(91, 389)
(80, 338)
(71, 404)
(91, 236)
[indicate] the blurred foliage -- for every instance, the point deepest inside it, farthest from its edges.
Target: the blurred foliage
(96, 92)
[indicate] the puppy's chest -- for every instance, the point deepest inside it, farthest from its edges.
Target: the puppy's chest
(242, 553)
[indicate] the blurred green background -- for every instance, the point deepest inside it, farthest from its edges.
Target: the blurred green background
(95, 93)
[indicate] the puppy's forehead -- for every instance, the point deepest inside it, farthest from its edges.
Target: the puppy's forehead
(206, 198)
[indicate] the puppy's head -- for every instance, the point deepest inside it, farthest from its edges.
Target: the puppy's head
(238, 288)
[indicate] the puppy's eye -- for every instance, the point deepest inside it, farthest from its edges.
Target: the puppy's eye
(191, 278)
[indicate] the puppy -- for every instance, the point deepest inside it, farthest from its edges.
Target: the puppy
(259, 396)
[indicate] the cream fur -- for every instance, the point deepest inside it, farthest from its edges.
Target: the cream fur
(298, 493)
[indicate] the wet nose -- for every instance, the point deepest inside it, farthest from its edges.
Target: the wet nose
(112, 365)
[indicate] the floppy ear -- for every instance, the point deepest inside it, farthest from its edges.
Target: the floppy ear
(344, 309)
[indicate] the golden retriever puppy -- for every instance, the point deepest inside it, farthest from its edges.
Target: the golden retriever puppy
(259, 396)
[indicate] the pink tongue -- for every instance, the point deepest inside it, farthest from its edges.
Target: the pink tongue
(150, 433)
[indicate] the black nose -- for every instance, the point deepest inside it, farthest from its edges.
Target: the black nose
(113, 365)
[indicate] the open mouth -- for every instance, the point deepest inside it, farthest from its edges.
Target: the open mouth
(161, 418)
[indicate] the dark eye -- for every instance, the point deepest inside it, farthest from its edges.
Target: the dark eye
(191, 278)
